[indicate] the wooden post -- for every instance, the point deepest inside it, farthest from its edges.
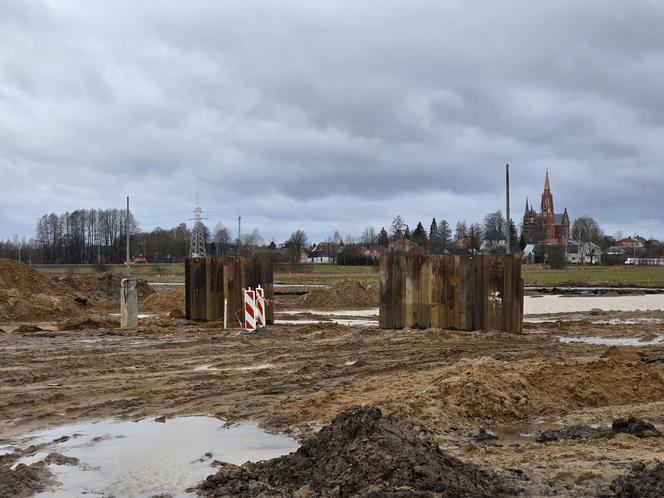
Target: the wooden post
(128, 304)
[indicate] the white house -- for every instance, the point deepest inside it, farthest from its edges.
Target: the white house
(529, 253)
(317, 257)
(588, 254)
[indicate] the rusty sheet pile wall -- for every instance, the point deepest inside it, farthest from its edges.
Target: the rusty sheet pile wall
(482, 292)
(209, 280)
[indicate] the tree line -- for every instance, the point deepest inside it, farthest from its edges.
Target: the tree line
(98, 236)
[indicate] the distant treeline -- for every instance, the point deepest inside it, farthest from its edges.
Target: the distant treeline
(98, 236)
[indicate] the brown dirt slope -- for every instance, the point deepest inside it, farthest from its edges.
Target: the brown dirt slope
(164, 301)
(490, 388)
(103, 289)
(362, 453)
(344, 294)
(27, 295)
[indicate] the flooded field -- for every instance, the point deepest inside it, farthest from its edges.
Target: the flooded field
(570, 304)
(142, 458)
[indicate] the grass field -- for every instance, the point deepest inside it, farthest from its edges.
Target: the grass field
(326, 274)
(601, 275)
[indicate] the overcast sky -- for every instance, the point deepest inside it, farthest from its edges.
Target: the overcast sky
(326, 115)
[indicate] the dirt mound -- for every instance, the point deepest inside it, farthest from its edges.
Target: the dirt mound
(362, 453)
(27, 295)
(573, 433)
(344, 294)
(163, 301)
(89, 323)
(644, 482)
(103, 289)
(487, 388)
(635, 427)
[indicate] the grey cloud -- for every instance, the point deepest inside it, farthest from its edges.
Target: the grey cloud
(356, 110)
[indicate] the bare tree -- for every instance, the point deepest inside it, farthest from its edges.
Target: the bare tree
(585, 229)
(369, 236)
(398, 228)
(297, 243)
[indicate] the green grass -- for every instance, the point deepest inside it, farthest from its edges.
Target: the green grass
(150, 270)
(327, 274)
(601, 275)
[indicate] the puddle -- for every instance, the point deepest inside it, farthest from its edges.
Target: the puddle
(521, 433)
(305, 286)
(606, 341)
(146, 458)
(262, 366)
(140, 315)
(559, 304)
(346, 322)
(610, 321)
(205, 368)
(365, 312)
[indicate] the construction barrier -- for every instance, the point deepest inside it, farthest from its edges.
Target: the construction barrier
(260, 307)
(211, 282)
(250, 310)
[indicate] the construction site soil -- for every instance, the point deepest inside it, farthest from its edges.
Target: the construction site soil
(361, 453)
(436, 386)
(343, 294)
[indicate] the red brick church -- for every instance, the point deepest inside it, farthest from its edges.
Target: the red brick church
(546, 225)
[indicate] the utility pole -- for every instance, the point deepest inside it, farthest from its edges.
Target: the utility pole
(127, 234)
(508, 225)
(239, 234)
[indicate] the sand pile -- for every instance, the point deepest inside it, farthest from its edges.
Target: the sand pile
(344, 294)
(362, 453)
(486, 388)
(27, 295)
(103, 289)
(164, 301)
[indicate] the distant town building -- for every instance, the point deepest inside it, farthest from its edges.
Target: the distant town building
(316, 257)
(588, 253)
(547, 225)
(402, 245)
(631, 242)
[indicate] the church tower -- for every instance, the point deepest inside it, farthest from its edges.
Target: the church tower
(548, 213)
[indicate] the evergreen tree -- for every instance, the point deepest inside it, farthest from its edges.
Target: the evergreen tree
(522, 241)
(433, 236)
(514, 236)
(419, 234)
(383, 239)
(475, 236)
(406, 233)
(444, 234)
(433, 230)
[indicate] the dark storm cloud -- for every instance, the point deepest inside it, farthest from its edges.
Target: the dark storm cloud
(328, 115)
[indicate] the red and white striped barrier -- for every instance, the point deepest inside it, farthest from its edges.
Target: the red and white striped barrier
(260, 307)
(249, 309)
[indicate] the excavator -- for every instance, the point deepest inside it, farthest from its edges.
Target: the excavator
(138, 260)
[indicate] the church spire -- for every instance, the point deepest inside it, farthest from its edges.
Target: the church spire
(547, 186)
(527, 204)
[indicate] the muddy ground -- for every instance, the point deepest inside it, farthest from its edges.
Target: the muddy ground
(296, 378)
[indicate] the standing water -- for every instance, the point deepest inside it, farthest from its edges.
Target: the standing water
(147, 458)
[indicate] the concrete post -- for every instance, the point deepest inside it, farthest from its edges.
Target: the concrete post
(128, 304)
